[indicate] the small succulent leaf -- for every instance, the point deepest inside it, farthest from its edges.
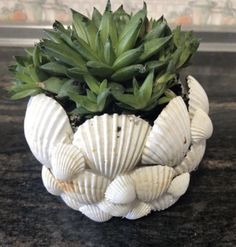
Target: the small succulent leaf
(151, 47)
(68, 87)
(103, 86)
(53, 85)
(77, 72)
(99, 69)
(54, 68)
(92, 83)
(146, 89)
(25, 93)
(91, 96)
(53, 36)
(109, 54)
(127, 58)
(96, 17)
(128, 72)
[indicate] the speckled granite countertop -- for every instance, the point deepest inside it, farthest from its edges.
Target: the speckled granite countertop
(204, 216)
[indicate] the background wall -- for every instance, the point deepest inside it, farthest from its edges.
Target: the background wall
(197, 13)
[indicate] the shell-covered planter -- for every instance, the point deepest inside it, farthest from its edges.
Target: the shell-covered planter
(119, 165)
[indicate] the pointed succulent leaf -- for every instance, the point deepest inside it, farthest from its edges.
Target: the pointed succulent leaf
(109, 54)
(96, 17)
(99, 69)
(54, 68)
(92, 83)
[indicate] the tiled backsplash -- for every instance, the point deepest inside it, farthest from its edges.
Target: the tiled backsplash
(196, 13)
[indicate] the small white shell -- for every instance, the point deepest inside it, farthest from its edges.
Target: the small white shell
(94, 213)
(152, 181)
(179, 185)
(163, 202)
(121, 190)
(169, 138)
(197, 97)
(70, 202)
(50, 183)
(117, 210)
(201, 126)
(46, 124)
(139, 209)
(88, 188)
(67, 162)
(192, 159)
(112, 144)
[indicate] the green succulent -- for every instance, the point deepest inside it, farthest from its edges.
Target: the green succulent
(113, 62)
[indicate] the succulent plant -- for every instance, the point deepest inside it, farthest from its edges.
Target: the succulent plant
(113, 62)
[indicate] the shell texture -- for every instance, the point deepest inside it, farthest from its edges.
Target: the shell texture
(67, 162)
(117, 210)
(192, 159)
(50, 183)
(179, 185)
(112, 143)
(95, 213)
(151, 182)
(121, 190)
(88, 188)
(70, 202)
(201, 126)
(197, 97)
(45, 125)
(164, 202)
(169, 138)
(139, 209)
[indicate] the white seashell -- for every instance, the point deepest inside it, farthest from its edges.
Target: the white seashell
(112, 144)
(164, 202)
(70, 202)
(67, 161)
(201, 126)
(139, 210)
(197, 97)
(121, 190)
(169, 138)
(117, 210)
(88, 188)
(50, 183)
(179, 185)
(152, 181)
(95, 213)
(192, 159)
(46, 124)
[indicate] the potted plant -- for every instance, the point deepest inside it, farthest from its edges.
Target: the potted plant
(115, 129)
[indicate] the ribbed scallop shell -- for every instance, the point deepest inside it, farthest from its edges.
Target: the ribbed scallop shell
(46, 124)
(95, 213)
(70, 202)
(192, 159)
(139, 209)
(152, 181)
(112, 144)
(169, 138)
(67, 161)
(201, 126)
(121, 190)
(117, 210)
(50, 183)
(88, 188)
(197, 97)
(164, 202)
(179, 185)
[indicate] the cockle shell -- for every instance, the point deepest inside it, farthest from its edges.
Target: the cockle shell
(179, 185)
(121, 190)
(163, 202)
(50, 183)
(88, 188)
(201, 126)
(112, 144)
(197, 97)
(67, 161)
(192, 159)
(169, 138)
(46, 124)
(70, 202)
(95, 213)
(152, 181)
(139, 209)
(117, 210)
